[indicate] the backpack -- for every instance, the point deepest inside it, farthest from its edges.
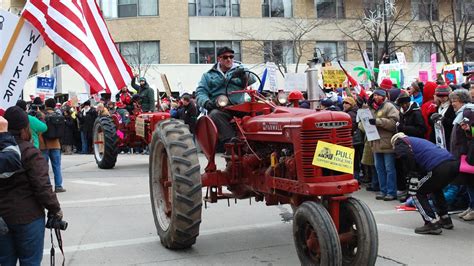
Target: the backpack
(56, 125)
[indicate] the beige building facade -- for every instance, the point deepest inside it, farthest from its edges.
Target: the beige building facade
(149, 32)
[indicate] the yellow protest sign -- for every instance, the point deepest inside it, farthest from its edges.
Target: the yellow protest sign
(333, 77)
(334, 157)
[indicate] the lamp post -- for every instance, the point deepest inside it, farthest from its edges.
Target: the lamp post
(386, 57)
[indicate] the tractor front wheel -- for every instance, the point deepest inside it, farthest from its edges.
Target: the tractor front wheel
(105, 142)
(358, 233)
(175, 185)
(315, 235)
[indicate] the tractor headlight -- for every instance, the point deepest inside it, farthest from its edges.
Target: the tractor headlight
(282, 98)
(222, 101)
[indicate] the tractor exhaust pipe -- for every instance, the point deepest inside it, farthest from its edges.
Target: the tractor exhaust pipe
(315, 93)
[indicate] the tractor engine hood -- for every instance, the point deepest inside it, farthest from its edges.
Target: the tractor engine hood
(278, 125)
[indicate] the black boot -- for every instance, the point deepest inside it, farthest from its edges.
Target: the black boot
(429, 229)
(445, 223)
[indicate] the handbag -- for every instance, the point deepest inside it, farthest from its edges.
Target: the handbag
(358, 137)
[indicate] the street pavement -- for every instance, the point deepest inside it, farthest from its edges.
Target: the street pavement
(110, 222)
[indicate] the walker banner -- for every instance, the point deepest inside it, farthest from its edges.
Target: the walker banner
(334, 157)
(20, 45)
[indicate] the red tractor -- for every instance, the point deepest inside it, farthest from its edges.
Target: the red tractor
(110, 134)
(270, 160)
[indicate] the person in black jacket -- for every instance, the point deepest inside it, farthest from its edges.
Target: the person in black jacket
(444, 113)
(188, 112)
(24, 197)
(411, 120)
(87, 117)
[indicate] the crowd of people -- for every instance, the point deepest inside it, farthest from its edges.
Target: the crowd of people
(425, 137)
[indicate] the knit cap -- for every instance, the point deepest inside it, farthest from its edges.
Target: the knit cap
(442, 90)
(16, 117)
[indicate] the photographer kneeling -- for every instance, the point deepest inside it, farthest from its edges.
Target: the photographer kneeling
(23, 198)
(440, 168)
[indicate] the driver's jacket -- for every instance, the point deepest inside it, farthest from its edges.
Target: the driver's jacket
(213, 83)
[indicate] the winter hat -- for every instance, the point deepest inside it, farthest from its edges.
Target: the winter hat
(429, 91)
(386, 84)
(142, 79)
(403, 98)
(350, 101)
(22, 104)
(393, 94)
(16, 117)
(224, 50)
(37, 101)
(380, 92)
(397, 136)
(327, 102)
(443, 90)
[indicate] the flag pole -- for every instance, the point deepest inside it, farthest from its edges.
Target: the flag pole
(12, 42)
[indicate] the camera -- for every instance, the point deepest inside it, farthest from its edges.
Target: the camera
(54, 223)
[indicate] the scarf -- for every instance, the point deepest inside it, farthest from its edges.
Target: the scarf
(443, 108)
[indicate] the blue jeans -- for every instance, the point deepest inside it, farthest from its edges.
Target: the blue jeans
(385, 165)
(85, 147)
(24, 242)
(55, 156)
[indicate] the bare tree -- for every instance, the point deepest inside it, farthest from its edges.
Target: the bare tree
(135, 55)
(451, 33)
(382, 22)
(295, 32)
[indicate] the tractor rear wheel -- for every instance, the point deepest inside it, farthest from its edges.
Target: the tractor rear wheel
(175, 185)
(358, 233)
(105, 142)
(315, 235)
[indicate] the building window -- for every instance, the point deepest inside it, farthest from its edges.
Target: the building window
(462, 10)
(140, 53)
(330, 8)
(277, 8)
(422, 52)
(205, 52)
(469, 52)
(229, 8)
(370, 48)
(425, 9)
(332, 51)
(128, 8)
(279, 52)
(45, 68)
(57, 60)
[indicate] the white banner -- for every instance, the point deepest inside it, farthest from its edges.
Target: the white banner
(21, 59)
(272, 82)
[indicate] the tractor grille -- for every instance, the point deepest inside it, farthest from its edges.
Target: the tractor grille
(309, 138)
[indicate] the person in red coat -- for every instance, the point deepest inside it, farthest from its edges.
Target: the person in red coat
(428, 106)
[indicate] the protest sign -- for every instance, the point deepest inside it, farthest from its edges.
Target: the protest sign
(333, 77)
(46, 86)
(334, 157)
(17, 58)
(295, 81)
(423, 76)
(391, 71)
(371, 132)
(433, 67)
(401, 59)
(272, 84)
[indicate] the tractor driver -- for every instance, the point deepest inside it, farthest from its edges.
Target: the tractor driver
(147, 95)
(213, 83)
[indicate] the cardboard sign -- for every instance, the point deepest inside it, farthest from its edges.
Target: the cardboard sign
(401, 58)
(166, 84)
(17, 58)
(371, 132)
(140, 127)
(333, 77)
(334, 157)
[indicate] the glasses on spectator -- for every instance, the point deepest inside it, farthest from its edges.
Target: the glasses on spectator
(225, 57)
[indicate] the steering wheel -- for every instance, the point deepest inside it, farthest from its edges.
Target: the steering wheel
(244, 77)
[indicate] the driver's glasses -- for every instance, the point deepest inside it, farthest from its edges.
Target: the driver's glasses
(225, 57)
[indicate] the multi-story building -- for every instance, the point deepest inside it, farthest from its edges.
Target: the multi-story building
(150, 32)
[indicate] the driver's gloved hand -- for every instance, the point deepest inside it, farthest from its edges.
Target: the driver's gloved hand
(238, 73)
(209, 105)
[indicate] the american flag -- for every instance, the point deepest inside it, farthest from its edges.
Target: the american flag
(76, 32)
